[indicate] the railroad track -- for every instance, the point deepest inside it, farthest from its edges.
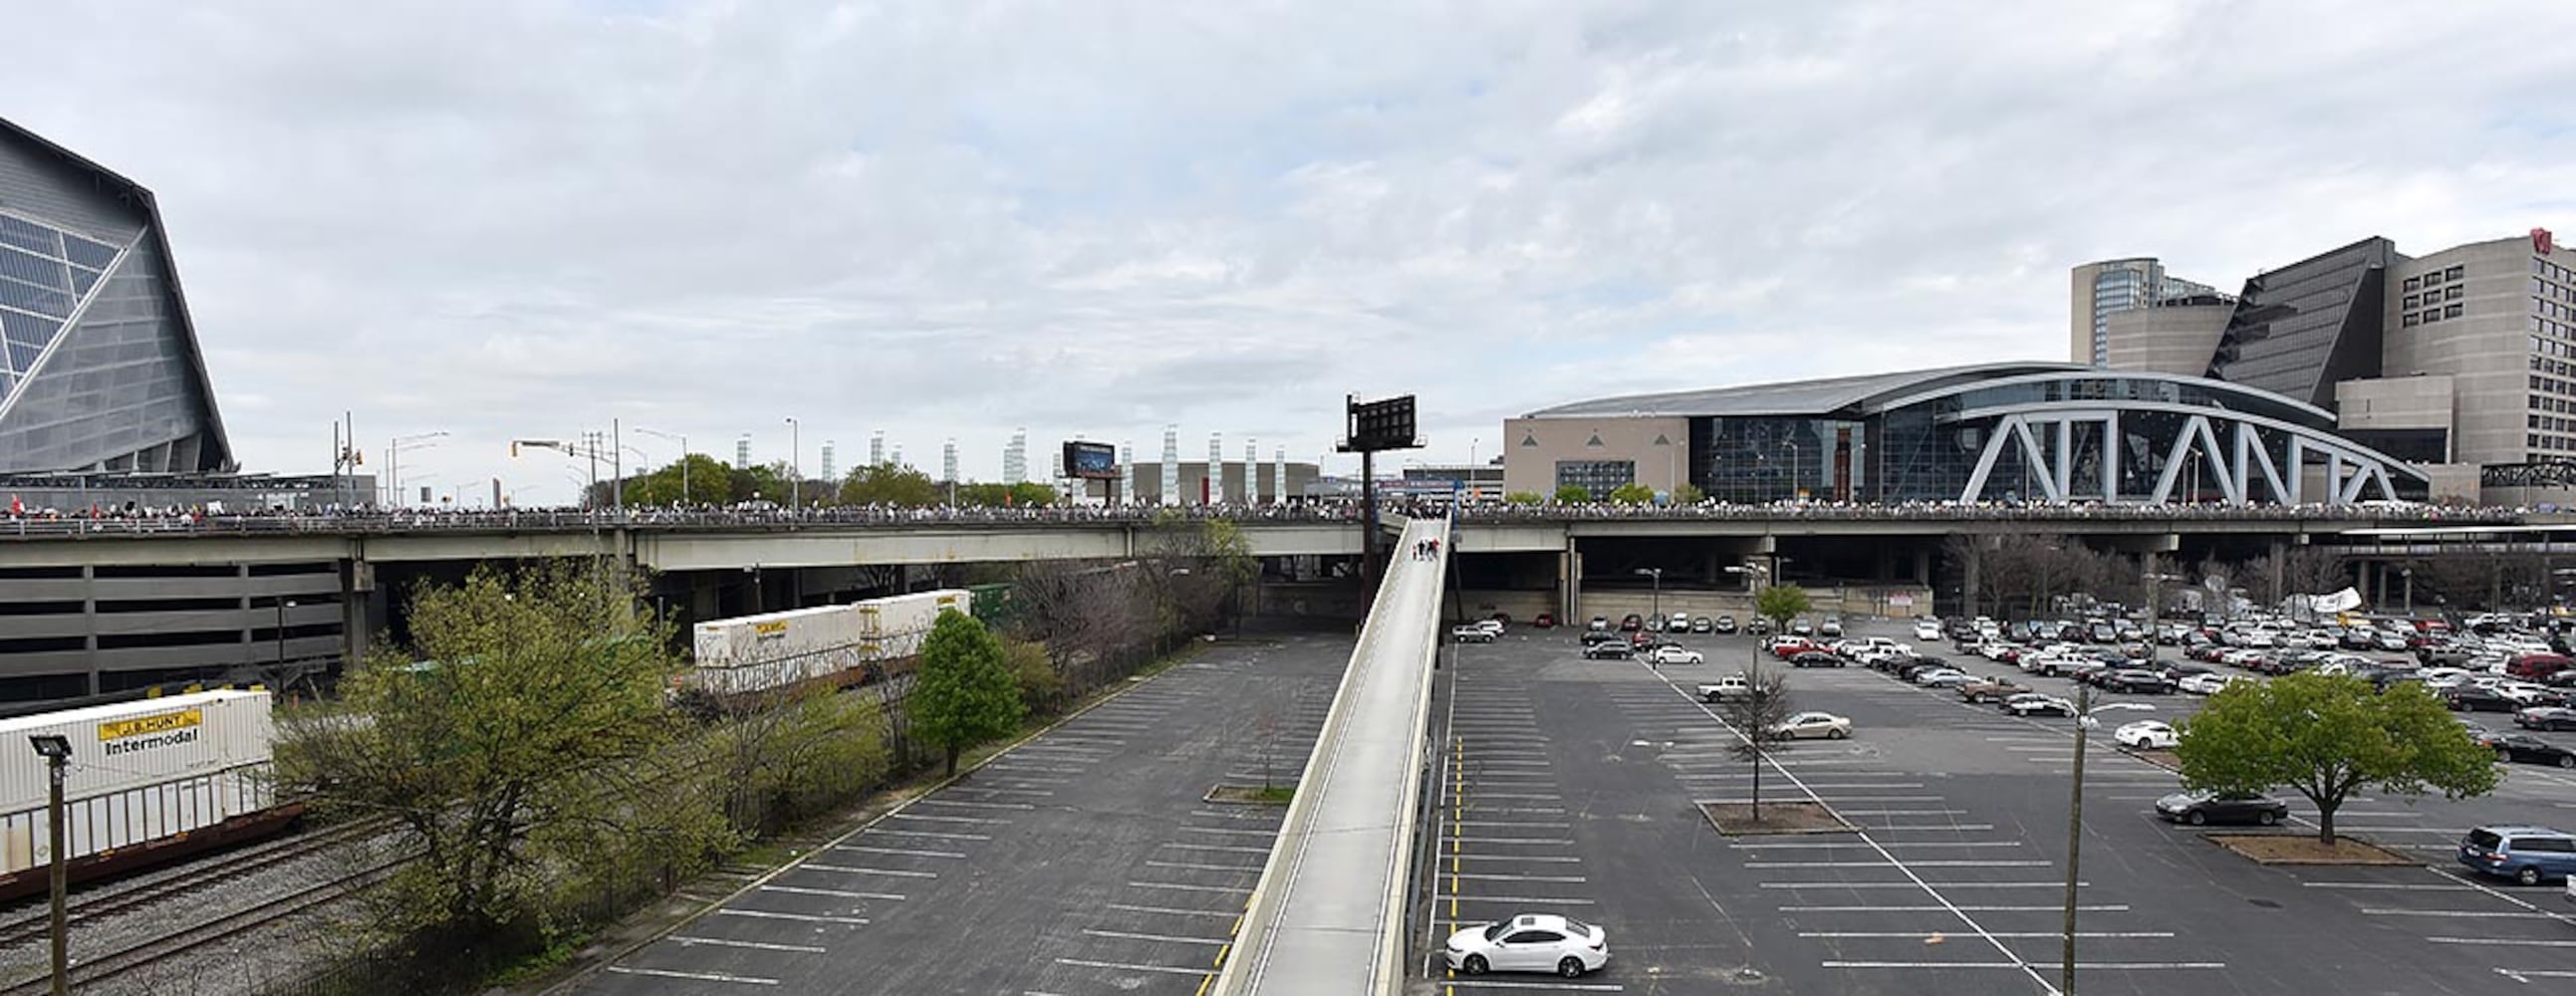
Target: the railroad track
(101, 967)
(203, 874)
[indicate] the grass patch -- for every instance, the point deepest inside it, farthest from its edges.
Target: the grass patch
(539, 964)
(2304, 849)
(1252, 795)
(1736, 819)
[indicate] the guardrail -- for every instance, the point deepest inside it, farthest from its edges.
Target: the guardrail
(1345, 850)
(405, 523)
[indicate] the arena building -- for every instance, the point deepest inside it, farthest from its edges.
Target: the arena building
(2002, 432)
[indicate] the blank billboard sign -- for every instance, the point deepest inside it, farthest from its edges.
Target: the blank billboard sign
(1091, 461)
(1381, 425)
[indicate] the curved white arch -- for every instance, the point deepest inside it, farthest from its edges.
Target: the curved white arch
(2235, 473)
(2324, 417)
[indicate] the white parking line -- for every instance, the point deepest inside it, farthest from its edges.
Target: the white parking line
(1892, 864)
(1922, 935)
(1534, 841)
(2052, 908)
(973, 805)
(895, 872)
(1128, 967)
(944, 819)
(904, 851)
(754, 945)
(1233, 889)
(1250, 833)
(1199, 867)
(2397, 886)
(1926, 886)
(664, 973)
(1579, 987)
(2035, 966)
(1173, 911)
(1226, 848)
(2504, 942)
(1899, 843)
(1506, 877)
(2481, 914)
(1557, 900)
(932, 834)
(794, 890)
(858, 921)
(1218, 941)
(1927, 826)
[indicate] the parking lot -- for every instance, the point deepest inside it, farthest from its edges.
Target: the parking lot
(1570, 785)
(1083, 862)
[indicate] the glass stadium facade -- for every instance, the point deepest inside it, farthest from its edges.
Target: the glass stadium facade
(2031, 432)
(99, 365)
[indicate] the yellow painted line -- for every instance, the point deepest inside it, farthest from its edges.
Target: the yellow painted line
(1237, 929)
(1221, 952)
(1204, 982)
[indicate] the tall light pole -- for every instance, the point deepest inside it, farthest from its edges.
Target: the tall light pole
(56, 749)
(393, 458)
(1656, 573)
(795, 469)
(2086, 712)
(683, 440)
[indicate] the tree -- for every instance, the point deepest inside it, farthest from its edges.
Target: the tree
(998, 495)
(757, 483)
(1040, 685)
(962, 694)
(1573, 494)
(887, 484)
(2327, 736)
(1524, 498)
(1632, 494)
(519, 742)
(1757, 716)
(709, 483)
(1689, 494)
(1781, 603)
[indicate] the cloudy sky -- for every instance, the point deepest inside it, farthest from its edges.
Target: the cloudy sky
(948, 219)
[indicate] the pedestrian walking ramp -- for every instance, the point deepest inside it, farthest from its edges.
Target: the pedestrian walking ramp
(1327, 918)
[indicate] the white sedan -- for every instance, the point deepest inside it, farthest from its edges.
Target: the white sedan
(1530, 942)
(2209, 684)
(1927, 630)
(1814, 726)
(1670, 654)
(2147, 734)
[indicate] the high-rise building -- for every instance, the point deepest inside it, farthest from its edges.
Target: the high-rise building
(99, 364)
(2462, 360)
(2116, 286)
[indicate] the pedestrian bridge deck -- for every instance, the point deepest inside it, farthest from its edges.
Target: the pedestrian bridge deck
(1328, 916)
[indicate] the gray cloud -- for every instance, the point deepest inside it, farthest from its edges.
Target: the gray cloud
(953, 219)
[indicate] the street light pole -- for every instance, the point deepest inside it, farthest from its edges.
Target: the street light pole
(683, 439)
(56, 749)
(795, 453)
(2086, 711)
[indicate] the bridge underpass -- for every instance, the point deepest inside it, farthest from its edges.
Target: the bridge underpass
(1327, 918)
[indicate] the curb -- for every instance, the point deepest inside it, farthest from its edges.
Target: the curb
(563, 986)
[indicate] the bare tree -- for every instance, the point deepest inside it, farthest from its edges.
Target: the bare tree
(1757, 717)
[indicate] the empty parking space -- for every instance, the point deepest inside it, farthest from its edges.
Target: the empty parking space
(1085, 861)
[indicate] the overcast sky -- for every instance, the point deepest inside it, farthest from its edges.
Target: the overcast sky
(949, 219)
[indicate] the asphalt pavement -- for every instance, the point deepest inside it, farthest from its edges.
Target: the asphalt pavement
(1082, 862)
(1571, 786)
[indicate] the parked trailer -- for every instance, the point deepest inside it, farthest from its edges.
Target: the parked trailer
(148, 781)
(839, 645)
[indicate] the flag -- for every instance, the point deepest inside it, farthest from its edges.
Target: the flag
(17, 507)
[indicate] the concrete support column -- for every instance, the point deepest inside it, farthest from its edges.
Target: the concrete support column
(1923, 567)
(2272, 583)
(1570, 582)
(1968, 571)
(2362, 585)
(357, 578)
(89, 622)
(1883, 564)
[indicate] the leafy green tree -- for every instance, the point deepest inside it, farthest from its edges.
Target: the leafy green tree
(997, 495)
(1781, 603)
(2328, 736)
(709, 483)
(1632, 494)
(757, 483)
(519, 742)
(1757, 716)
(1524, 498)
(1040, 684)
(963, 694)
(887, 484)
(1689, 494)
(1573, 494)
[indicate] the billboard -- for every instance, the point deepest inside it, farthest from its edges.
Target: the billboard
(1380, 425)
(1090, 461)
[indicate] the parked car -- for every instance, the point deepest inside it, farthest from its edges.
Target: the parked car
(1814, 658)
(2035, 704)
(1801, 627)
(2526, 854)
(1472, 633)
(1544, 620)
(2204, 808)
(1608, 650)
(1631, 623)
(1927, 630)
(2530, 749)
(1733, 686)
(2137, 681)
(1725, 625)
(2210, 684)
(1830, 627)
(1758, 627)
(2478, 698)
(1814, 725)
(1990, 689)
(1599, 623)
(1591, 637)
(2546, 718)
(1943, 677)
(1529, 942)
(2147, 734)
(1654, 624)
(1702, 624)
(1671, 654)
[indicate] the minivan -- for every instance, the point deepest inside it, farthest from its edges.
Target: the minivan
(2537, 667)
(2529, 855)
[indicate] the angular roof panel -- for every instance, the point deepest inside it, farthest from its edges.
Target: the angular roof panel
(1801, 397)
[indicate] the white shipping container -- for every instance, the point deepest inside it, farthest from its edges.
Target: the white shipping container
(774, 636)
(914, 613)
(129, 745)
(134, 816)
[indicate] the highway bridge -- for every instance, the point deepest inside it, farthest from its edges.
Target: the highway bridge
(107, 603)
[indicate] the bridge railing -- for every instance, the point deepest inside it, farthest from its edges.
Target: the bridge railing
(371, 522)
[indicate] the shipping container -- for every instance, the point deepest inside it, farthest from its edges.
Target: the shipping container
(841, 644)
(914, 613)
(147, 777)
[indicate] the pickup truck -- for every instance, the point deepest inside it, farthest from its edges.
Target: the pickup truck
(1732, 686)
(1989, 690)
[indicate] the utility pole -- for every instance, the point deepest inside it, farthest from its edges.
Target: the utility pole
(57, 752)
(2086, 712)
(795, 466)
